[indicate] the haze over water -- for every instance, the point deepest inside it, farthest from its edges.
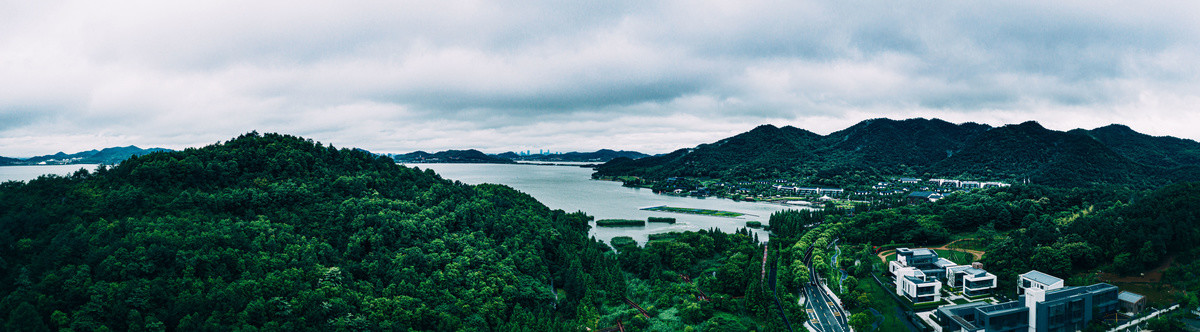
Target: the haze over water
(26, 173)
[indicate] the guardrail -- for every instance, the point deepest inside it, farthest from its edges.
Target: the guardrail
(1137, 322)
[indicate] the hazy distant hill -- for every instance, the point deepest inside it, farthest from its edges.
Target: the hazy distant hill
(602, 155)
(113, 155)
(919, 147)
(451, 156)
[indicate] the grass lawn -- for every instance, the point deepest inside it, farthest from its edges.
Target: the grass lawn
(880, 300)
(1157, 294)
(960, 257)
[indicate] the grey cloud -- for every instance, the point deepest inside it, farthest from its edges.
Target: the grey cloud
(456, 74)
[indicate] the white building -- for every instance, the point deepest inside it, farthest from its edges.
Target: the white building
(973, 281)
(916, 286)
(1035, 279)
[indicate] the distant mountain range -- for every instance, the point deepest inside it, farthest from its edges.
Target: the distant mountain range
(1113, 154)
(602, 155)
(476, 157)
(111, 156)
(451, 156)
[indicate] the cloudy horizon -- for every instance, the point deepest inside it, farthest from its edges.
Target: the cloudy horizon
(399, 76)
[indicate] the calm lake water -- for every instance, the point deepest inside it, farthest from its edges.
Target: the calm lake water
(26, 173)
(572, 189)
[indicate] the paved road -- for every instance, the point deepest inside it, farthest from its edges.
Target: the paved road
(823, 312)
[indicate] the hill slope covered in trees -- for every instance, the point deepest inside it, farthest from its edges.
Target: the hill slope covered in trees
(934, 148)
(273, 231)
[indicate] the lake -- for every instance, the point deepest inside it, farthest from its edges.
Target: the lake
(26, 173)
(558, 187)
(572, 189)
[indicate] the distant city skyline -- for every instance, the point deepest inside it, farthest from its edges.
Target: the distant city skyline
(653, 77)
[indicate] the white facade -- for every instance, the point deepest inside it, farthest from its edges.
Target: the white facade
(1037, 280)
(979, 284)
(913, 284)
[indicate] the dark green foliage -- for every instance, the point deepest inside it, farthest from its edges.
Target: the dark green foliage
(793, 223)
(619, 222)
(875, 148)
(661, 220)
(622, 242)
(1165, 152)
(276, 232)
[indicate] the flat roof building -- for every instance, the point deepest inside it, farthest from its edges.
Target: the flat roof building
(916, 286)
(1035, 279)
(1131, 302)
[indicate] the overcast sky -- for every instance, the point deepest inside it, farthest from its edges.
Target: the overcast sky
(399, 76)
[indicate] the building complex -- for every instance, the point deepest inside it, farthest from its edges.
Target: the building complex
(1045, 305)
(920, 274)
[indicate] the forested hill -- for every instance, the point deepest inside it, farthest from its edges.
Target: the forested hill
(111, 156)
(277, 232)
(602, 155)
(935, 148)
(452, 156)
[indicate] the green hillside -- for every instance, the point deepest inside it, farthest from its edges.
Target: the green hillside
(876, 148)
(280, 233)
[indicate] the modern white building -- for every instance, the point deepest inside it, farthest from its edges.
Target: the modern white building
(1035, 279)
(916, 286)
(973, 281)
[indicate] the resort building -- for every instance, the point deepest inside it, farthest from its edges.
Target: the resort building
(918, 197)
(1046, 306)
(919, 273)
(1037, 280)
(972, 281)
(979, 316)
(925, 260)
(916, 286)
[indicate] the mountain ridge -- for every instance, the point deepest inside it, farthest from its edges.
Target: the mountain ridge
(876, 148)
(109, 155)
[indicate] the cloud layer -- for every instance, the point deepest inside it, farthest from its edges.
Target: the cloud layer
(397, 76)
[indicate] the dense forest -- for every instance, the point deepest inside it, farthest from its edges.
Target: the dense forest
(874, 149)
(274, 232)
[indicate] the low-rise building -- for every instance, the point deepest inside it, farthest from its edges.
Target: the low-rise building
(916, 286)
(1046, 306)
(1035, 279)
(922, 259)
(979, 316)
(1131, 302)
(918, 197)
(973, 281)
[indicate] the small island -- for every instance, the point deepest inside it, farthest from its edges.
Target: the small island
(706, 212)
(661, 220)
(620, 223)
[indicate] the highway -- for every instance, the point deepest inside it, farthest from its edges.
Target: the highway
(823, 313)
